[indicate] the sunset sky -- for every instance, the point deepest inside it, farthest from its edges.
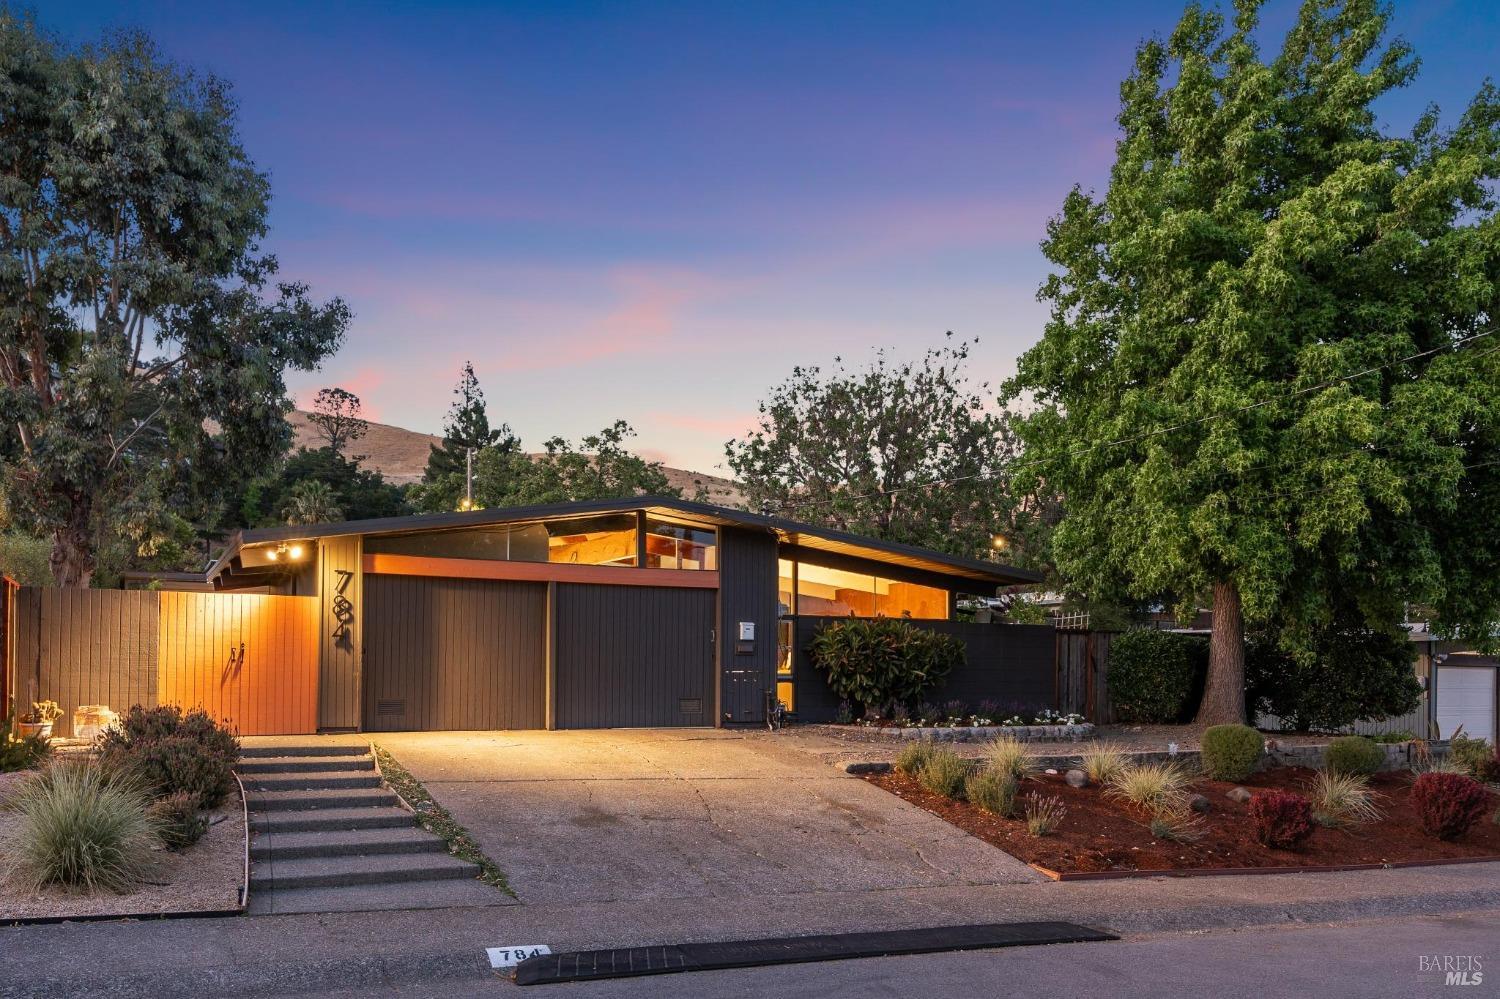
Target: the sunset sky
(652, 211)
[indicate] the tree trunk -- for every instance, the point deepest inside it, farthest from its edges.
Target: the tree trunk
(72, 557)
(1224, 690)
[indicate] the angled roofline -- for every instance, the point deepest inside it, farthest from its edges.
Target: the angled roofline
(979, 569)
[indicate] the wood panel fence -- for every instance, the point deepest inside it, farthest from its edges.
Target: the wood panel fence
(1082, 671)
(251, 659)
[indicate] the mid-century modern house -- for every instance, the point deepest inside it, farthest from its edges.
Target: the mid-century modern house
(651, 611)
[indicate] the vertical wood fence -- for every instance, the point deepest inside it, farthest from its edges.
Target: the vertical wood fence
(1082, 670)
(251, 659)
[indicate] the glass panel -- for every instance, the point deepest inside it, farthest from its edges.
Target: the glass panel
(786, 688)
(829, 592)
(512, 543)
(679, 546)
(834, 592)
(784, 586)
(607, 540)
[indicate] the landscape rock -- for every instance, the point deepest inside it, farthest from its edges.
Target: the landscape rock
(1076, 778)
(1200, 804)
(1237, 794)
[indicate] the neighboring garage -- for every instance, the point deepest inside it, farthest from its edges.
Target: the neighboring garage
(644, 612)
(1466, 696)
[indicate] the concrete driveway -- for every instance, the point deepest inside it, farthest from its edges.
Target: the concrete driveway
(658, 814)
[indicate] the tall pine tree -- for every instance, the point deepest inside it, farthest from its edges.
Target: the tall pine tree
(467, 426)
(1270, 381)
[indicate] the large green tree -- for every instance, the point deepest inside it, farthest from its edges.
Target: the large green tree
(358, 493)
(143, 335)
(908, 452)
(466, 428)
(1270, 378)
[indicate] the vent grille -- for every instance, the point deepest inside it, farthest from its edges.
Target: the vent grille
(390, 707)
(690, 705)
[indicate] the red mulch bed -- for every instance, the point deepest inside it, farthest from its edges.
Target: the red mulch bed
(1104, 834)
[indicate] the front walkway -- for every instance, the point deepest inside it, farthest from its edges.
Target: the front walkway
(681, 813)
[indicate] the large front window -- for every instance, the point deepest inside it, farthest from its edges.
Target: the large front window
(606, 540)
(825, 592)
(671, 545)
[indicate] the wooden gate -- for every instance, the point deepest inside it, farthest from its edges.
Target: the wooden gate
(251, 659)
(1082, 666)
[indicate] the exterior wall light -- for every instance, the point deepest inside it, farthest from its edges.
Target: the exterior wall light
(999, 542)
(285, 553)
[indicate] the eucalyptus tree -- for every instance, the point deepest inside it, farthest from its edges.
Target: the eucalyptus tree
(1270, 381)
(144, 335)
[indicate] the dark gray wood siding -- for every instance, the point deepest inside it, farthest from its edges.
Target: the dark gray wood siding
(340, 594)
(86, 647)
(747, 592)
(453, 654)
(1010, 664)
(633, 656)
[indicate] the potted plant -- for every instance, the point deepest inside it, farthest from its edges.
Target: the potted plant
(38, 721)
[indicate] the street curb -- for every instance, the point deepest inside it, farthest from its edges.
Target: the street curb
(380, 971)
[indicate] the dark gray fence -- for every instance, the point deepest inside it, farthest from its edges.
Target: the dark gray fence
(1010, 664)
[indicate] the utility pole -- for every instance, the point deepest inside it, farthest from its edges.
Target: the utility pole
(468, 501)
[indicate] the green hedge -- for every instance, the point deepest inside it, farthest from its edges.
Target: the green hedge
(874, 662)
(1153, 674)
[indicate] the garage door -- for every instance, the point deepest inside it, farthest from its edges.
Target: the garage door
(634, 656)
(444, 654)
(1466, 696)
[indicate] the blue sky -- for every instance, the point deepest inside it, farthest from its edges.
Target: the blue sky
(652, 211)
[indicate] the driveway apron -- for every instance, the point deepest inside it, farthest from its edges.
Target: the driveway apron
(658, 814)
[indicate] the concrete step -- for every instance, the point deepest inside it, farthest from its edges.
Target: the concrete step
(467, 893)
(321, 780)
(344, 843)
(331, 818)
(326, 872)
(308, 749)
(305, 764)
(345, 797)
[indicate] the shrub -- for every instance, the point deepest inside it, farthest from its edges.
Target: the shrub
(20, 753)
(992, 791)
(1007, 757)
(874, 661)
(1152, 674)
(178, 821)
(1043, 814)
(1478, 758)
(1280, 819)
(1152, 786)
(173, 751)
(1353, 754)
(944, 773)
(1230, 752)
(83, 826)
(913, 757)
(1176, 823)
(1395, 738)
(1447, 804)
(1347, 674)
(1341, 799)
(1101, 762)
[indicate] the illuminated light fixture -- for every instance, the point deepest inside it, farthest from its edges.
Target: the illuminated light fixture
(999, 542)
(466, 504)
(285, 553)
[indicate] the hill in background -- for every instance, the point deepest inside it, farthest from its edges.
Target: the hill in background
(401, 456)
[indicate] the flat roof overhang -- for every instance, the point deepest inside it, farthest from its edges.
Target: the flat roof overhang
(245, 553)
